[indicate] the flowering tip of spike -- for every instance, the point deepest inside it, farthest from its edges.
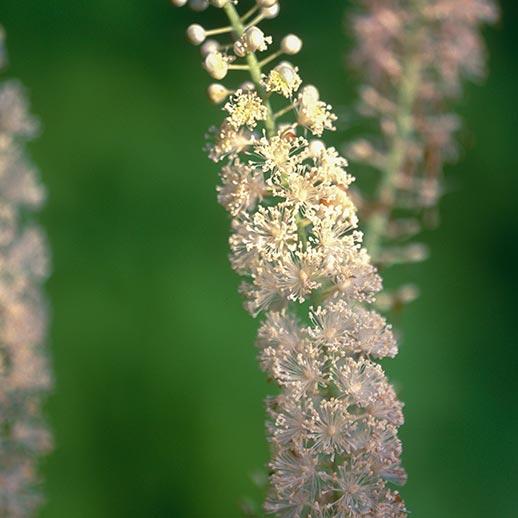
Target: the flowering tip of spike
(295, 239)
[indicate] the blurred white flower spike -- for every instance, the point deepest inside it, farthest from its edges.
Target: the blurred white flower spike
(295, 239)
(24, 263)
(413, 57)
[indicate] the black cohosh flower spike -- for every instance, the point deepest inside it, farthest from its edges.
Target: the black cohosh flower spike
(295, 240)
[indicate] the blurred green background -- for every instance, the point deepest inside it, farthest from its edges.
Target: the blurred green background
(158, 410)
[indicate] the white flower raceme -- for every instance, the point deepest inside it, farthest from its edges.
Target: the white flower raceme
(24, 373)
(295, 239)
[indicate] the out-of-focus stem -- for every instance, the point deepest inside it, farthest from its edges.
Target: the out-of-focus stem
(253, 65)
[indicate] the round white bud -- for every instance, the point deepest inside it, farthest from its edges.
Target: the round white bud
(198, 5)
(253, 38)
(178, 3)
(247, 86)
(208, 47)
(286, 71)
(217, 93)
(196, 34)
(361, 150)
(271, 12)
(266, 3)
(408, 293)
(216, 65)
(219, 3)
(311, 93)
(291, 44)
(316, 147)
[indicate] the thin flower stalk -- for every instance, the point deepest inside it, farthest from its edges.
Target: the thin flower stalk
(24, 371)
(295, 240)
(412, 57)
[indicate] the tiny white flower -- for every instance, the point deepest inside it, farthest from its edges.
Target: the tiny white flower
(283, 79)
(245, 109)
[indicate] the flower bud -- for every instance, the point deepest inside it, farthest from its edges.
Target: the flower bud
(198, 5)
(408, 293)
(283, 79)
(219, 3)
(209, 46)
(254, 39)
(216, 65)
(266, 3)
(271, 12)
(217, 93)
(316, 148)
(178, 3)
(361, 149)
(416, 253)
(247, 86)
(291, 44)
(196, 34)
(311, 93)
(286, 71)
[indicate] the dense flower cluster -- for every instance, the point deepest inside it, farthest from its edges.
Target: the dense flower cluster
(413, 57)
(24, 373)
(333, 427)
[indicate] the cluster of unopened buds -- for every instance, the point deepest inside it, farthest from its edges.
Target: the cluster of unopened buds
(295, 240)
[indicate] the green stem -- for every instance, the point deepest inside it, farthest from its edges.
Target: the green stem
(270, 58)
(302, 223)
(387, 189)
(254, 66)
(249, 13)
(284, 111)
